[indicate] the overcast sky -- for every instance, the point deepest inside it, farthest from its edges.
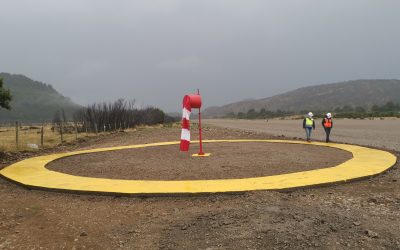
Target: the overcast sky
(156, 51)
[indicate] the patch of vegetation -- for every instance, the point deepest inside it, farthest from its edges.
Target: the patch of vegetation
(262, 114)
(120, 114)
(5, 96)
(389, 109)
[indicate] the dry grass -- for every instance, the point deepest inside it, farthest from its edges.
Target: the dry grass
(31, 135)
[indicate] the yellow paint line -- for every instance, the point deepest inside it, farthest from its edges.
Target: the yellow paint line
(33, 173)
(203, 155)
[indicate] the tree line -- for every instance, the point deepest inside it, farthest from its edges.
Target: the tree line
(261, 114)
(389, 109)
(117, 115)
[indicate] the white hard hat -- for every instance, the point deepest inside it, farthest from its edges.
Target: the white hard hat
(329, 115)
(310, 114)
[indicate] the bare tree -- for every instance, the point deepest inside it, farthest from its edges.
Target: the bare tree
(116, 115)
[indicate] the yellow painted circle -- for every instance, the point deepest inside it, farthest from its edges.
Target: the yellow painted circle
(33, 173)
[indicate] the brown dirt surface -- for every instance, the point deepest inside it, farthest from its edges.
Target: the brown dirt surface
(360, 214)
(375, 132)
(228, 160)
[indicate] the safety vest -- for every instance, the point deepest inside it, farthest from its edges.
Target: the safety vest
(327, 122)
(309, 122)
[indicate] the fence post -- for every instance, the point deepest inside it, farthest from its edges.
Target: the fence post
(41, 136)
(61, 132)
(16, 134)
(76, 131)
(104, 128)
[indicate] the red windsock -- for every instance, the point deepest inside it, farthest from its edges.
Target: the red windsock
(185, 134)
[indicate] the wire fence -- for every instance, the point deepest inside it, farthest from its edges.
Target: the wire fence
(32, 136)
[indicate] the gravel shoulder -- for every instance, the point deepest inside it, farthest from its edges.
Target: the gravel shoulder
(377, 133)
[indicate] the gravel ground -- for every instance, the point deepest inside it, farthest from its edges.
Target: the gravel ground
(377, 133)
(363, 214)
(228, 160)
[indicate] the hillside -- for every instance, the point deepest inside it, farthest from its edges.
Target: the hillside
(33, 101)
(326, 97)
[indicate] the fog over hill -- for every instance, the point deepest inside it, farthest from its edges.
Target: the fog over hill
(33, 101)
(364, 93)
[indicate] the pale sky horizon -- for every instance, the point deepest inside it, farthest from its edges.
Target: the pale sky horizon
(158, 51)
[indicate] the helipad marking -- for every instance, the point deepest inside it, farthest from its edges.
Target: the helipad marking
(32, 173)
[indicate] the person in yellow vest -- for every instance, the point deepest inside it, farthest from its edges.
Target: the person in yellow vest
(309, 125)
(327, 123)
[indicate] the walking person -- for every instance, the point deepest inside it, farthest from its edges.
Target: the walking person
(327, 123)
(309, 125)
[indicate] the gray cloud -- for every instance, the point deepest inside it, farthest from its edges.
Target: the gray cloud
(157, 51)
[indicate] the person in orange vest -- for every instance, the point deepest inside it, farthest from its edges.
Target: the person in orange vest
(327, 123)
(309, 125)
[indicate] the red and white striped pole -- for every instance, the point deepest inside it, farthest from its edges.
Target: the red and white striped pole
(189, 102)
(200, 132)
(185, 134)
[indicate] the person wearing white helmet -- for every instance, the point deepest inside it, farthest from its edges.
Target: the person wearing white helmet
(309, 125)
(327, 123)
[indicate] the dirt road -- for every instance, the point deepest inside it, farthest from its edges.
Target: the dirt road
(377, 133)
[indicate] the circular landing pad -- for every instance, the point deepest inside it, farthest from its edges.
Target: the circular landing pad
(33, 173)
(228, 161)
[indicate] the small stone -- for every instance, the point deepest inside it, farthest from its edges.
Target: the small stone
(272, 209)
(371, 234)
(333, 228)
(356, 223)
(226, 223)
(83, 234)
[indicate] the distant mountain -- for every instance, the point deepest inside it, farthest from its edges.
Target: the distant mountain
(326, 97)
(33, 101)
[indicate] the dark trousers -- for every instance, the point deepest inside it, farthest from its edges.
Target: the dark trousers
(328, 133)
(308, 132)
